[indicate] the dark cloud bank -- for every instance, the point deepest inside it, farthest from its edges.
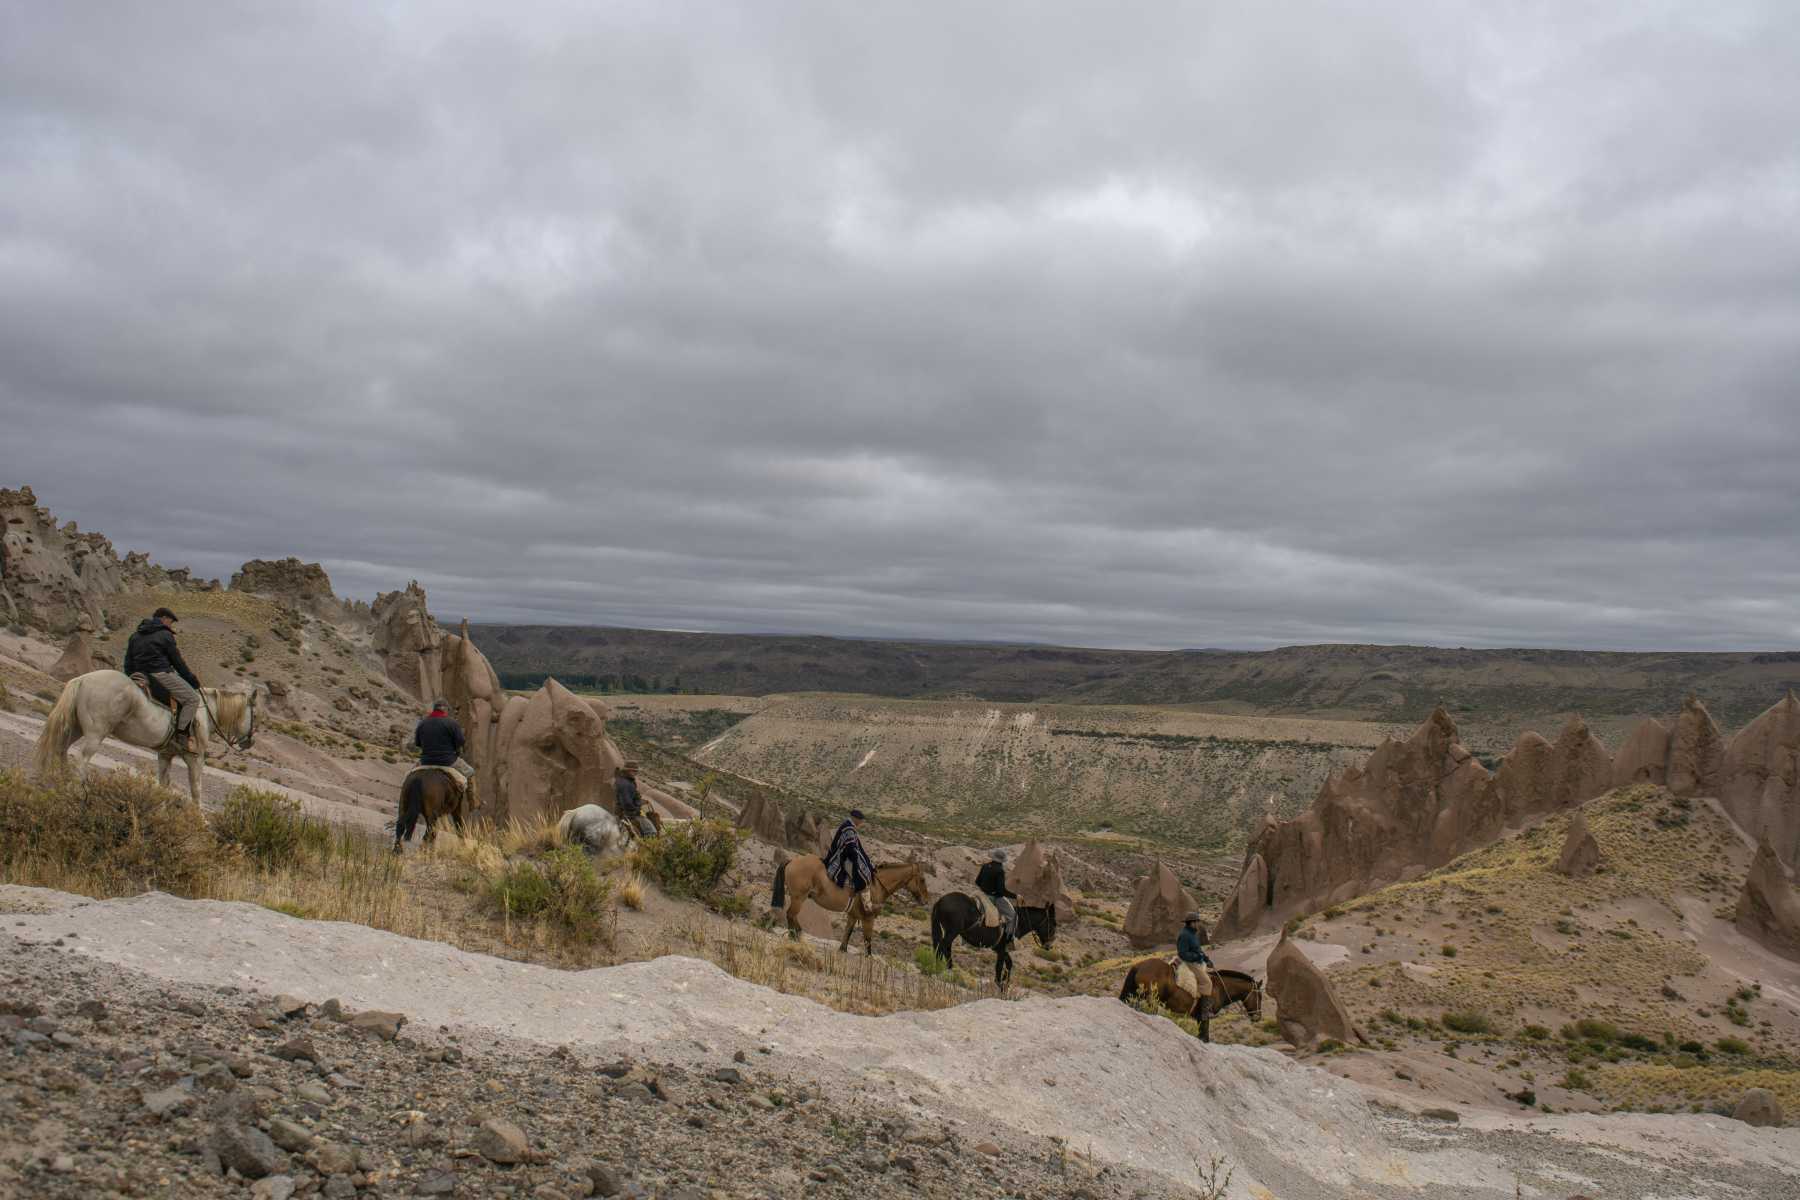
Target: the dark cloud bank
(1130, 325)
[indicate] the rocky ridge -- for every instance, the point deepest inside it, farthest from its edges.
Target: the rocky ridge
(1417, 803)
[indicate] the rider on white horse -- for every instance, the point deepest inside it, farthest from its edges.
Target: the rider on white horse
(152, 652)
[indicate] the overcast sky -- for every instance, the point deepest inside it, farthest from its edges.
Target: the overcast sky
(1148, 325)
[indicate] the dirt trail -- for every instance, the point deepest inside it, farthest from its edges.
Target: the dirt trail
(18, 733)
(1123, 1087)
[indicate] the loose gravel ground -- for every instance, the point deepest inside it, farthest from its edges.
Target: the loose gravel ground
(114, 1084)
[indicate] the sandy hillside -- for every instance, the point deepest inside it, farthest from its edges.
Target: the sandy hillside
(1110, 1082)
(1190, 778)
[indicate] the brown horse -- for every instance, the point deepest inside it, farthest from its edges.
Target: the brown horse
(1220, 990)
(426, 792)
(804, 878)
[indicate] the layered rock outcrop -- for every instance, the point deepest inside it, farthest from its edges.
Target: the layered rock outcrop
(303, 584)
(53, 577)
(1307, 1007)
(1417, 804)
(1768, 910)
(1157, 908)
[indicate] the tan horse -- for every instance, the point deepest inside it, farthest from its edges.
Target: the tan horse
(1220, 989)
(804, 878)
(103, 704)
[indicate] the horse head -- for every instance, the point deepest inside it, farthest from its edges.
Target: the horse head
(914, 881)
(1253, 1001)
(1046, 929)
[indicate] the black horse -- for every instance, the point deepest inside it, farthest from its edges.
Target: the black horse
(956, 915)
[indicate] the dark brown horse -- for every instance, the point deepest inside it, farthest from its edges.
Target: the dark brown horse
(427, 792)
(1219, 989)
(956, 915)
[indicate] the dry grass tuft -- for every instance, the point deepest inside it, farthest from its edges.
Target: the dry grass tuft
(631, 892)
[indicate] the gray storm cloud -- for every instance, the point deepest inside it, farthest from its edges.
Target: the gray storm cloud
(1116, 324)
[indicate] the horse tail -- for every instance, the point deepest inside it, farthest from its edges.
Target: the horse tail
(1131, 985)
(938, 938)
(778, 898)
(61, 728)
(412, 804)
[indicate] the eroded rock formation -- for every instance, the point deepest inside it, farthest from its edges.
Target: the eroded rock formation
(1038, 879)
(53, 577)
(77, 658)
(1307, 1007)
(763, 817)
(1417, 804)
(1761, 785)
(305, 585)
(1580, 855)
(1768, 910)
(1157, 908)
(408, 641)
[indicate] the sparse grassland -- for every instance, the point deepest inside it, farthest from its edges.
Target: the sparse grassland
(1611, 961)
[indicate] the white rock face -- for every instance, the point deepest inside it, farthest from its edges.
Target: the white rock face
(1127, 1088)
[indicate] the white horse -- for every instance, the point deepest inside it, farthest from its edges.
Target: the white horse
(593, 828)
(103, 704)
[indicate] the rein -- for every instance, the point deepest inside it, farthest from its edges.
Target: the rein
(212, 718)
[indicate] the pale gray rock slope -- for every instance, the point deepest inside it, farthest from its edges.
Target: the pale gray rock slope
(1113, 1083)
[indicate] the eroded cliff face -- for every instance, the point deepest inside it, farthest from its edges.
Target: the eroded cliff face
(58, 579)
(1416, 804)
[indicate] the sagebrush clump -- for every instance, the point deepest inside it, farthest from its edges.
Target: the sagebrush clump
(690, 858)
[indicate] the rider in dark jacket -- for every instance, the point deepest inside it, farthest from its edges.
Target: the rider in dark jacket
(991, 879)
(628, 803)
(1187, 943)
(438, 737)
(152, 652)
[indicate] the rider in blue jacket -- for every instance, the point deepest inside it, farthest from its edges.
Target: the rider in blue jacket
(1187, 943)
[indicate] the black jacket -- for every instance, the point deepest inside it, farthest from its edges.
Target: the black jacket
(992, 880)
(626, 801)
(152, 648)
(440, 740)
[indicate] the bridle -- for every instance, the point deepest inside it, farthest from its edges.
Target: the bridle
(231, 743)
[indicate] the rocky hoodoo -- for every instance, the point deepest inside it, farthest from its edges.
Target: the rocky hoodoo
(1761, 787)
(763, 817)
(1037, 878)
(1768, 910)
(53, 577)
(408, 641)
(1306, 1006)
(77, 658)
(305, 585)
(1580, 855)
(551, 753)
(1416, 804)
(1157, 908)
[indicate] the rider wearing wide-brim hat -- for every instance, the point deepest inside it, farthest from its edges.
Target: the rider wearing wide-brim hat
(1187, 942)
(628, 802)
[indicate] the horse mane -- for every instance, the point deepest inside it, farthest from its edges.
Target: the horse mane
(884, 866)
(1230, 974)
(230, 709)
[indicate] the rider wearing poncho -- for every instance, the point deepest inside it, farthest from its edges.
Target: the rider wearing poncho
(847, 863)
(991, 879)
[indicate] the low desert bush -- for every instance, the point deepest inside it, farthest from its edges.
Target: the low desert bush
(1468, 1022)
(930, 964)
(115, 833)
(271, 829)
(1731, 1045)
(689, 858)
(560, 890)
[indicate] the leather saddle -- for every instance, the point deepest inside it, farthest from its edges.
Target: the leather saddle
(157, 692)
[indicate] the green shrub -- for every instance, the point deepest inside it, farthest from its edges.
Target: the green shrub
(1731, 1045)
(1594, 1030)
(1449, 951)
(1576, 1080)
(1637, 1041)
(561, 889)
(1534, 1033)
(1468, 1022)
(1692, 1047)
(689, 859)
(113, 834)
(930, 964)
(270, 828)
